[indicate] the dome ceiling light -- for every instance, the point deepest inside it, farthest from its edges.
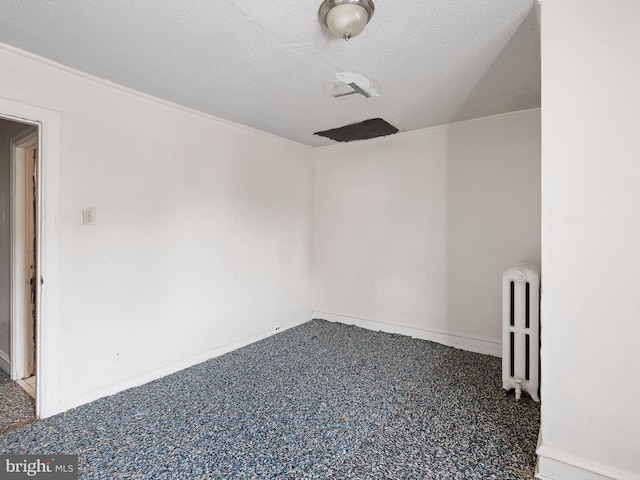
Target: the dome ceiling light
(345, 18)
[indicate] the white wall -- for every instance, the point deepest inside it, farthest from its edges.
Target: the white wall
(591, 239)
(7, 131)
(202, 235)
(414, 231)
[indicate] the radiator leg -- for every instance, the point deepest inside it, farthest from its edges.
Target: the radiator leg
(518, 389)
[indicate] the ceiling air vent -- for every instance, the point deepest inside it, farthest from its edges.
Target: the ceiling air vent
(375, 127)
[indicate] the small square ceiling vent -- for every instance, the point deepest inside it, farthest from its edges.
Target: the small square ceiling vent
(375, 127)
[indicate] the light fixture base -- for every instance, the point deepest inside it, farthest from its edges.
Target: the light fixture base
(328, 5)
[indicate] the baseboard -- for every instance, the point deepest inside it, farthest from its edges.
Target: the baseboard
(538, 445)
(452, 340)
(471, 344)
(173, 368)
(558, 465)
(5, 363)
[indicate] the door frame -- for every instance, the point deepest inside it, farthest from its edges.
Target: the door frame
(19, 144)
(47, 249)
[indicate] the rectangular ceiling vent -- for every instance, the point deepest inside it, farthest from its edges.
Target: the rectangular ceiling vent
(373, 128)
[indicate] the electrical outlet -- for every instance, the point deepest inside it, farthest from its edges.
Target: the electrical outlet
(117, 357)
(276, 328)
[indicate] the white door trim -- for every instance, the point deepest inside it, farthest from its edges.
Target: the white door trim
(19, 144)
(47, 250)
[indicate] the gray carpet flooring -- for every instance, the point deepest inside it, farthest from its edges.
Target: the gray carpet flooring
(321, 400)
(16, 406)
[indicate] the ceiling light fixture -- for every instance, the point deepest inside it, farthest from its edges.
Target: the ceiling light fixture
(345, 18)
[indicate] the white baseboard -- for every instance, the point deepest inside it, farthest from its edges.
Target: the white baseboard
(465, 343)
(173, 368)
(557, 465)
(5, 363)
(471, 344)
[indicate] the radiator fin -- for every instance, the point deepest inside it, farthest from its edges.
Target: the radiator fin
(512, 303)
(527, 308)
(527, 358)
(512, 356)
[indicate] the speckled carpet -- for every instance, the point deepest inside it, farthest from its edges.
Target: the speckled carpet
(16, 406)
(322, 400)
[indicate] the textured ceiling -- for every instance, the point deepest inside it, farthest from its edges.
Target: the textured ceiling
(271, 66)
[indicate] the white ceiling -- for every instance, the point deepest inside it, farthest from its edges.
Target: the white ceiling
(271, 66)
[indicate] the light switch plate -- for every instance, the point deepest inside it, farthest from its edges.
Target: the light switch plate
(89, 216)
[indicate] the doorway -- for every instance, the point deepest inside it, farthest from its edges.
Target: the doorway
(24, 255)
(48, 124)
(19, 187)
(47, 246)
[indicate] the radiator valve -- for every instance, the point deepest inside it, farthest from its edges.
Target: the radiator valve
(518, 388)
